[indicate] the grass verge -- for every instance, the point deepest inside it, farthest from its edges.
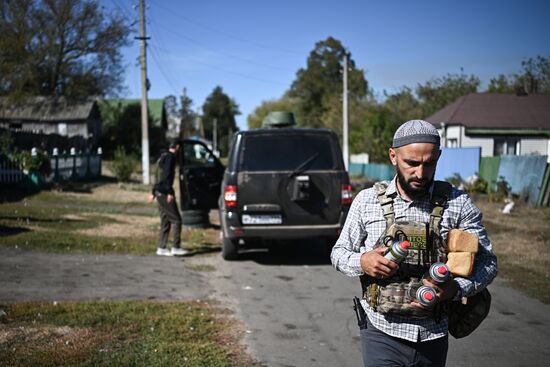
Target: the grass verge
(61, 223)
(142, 333)
(521, 242)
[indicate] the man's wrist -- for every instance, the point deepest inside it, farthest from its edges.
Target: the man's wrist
(459, 291)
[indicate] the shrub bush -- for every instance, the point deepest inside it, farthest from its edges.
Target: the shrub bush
(123, 165)
(503, 190)
(476, 185)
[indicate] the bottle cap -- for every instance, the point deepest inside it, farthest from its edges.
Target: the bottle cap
(405, 245)
(441, 270)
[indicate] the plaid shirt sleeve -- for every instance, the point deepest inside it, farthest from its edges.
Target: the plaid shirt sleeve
(346, 253)
(485, 266)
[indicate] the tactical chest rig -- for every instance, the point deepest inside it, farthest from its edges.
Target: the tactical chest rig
(427, 247)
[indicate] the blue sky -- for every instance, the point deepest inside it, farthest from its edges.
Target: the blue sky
(252, 49)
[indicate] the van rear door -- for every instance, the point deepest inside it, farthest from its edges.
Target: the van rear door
(290, 177)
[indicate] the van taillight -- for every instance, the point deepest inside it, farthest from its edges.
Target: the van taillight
(347, 196)
(230, 195)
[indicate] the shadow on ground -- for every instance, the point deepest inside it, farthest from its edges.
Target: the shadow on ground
(298, 252)
(15, 193)
(11, 231)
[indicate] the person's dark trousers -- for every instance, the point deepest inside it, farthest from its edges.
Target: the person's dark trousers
(380, 349)
(169, 215)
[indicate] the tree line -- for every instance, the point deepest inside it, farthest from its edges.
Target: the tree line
(72, 48)
(315, 97)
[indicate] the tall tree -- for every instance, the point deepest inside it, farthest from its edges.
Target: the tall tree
(502, 84)
(122, 127)
(533, 79)
(536, 75)
(436, 93)
(403, 105)
(60, 47)
(374, 135)
(186, 114)
(317, 86)
(221, 108)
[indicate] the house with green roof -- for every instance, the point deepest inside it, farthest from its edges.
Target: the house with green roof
(156, 109)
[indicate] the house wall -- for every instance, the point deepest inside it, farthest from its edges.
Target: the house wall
(456, 132)
(38, 127)
(527, 146)
(69, 129)
(530, 146)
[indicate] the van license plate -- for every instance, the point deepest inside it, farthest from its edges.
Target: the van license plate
(262, 219)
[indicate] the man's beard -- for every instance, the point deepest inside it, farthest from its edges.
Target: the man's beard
(413, 192)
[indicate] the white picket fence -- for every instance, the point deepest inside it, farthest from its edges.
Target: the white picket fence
(65, 167)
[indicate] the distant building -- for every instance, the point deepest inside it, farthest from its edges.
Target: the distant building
(156, 110)
(70, 118)
(501, 124)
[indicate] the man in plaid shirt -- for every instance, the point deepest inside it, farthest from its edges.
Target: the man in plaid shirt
(398, 340)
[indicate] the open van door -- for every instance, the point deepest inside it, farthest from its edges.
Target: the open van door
(201, 175)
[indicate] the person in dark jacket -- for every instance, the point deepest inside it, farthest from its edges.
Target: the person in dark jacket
(163, 193)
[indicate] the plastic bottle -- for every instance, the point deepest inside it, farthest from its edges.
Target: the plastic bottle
(439, 273)
(397, 251)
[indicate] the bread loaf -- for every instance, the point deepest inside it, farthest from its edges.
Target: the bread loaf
(462, 241)
(461, 263)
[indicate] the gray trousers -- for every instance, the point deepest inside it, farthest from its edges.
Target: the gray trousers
(380, 349)
(169, 215)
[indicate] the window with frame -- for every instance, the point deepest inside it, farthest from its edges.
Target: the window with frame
(506, 146)
(452, 143)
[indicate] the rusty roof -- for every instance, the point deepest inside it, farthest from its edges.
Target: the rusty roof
(46, 109)
(497, 111)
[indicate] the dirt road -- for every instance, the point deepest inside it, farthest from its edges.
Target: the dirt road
(32, 275)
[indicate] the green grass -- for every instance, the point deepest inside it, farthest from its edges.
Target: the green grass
(88, 204)
(141, 333)
(47, 223)
(133, 333)
(54, 228)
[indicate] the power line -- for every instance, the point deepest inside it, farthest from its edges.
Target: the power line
(214, 67)
(179, 15)
(123, 9)
(166, 78)
(201, 44)
(155, 48)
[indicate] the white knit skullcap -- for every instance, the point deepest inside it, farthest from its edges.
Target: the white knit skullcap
(415, 131)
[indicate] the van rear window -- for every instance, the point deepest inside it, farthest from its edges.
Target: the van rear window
(283, 152)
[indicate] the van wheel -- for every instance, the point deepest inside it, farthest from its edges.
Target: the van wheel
(195, 218)
(230, 250)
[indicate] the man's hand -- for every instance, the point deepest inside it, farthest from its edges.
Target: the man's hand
(151, 198)
(443, 291)
(376, 265)
(169, 198)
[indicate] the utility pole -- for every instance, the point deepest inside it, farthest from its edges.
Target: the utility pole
(215, 136)
(144, 88)
(345, 112)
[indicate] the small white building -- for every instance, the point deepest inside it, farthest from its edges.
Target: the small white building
(501, 124)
